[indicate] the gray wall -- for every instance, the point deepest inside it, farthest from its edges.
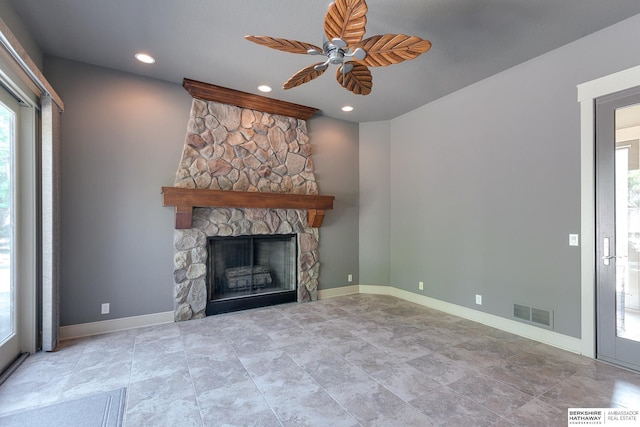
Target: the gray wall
(485, 184)
(20, 31)
(122, 137)
(122, 140)
(375, 193)
(335, 158)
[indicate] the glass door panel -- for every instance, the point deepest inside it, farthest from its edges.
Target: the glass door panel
(7, 299)
(9, 346)
(627, 222)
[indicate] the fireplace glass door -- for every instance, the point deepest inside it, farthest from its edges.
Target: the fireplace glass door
(246, 267)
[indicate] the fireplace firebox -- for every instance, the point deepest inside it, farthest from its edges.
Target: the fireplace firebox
(251, 271)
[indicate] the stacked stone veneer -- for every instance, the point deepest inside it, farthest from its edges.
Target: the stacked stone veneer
(238, 149)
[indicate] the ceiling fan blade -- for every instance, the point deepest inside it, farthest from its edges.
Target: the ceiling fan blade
(285, 45)
(346, 20)
(358, 80)
(305, 75)
(390, 49)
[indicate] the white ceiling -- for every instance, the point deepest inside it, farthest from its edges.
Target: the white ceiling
(204, 40)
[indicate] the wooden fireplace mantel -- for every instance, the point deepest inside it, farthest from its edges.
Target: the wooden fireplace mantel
(185, 199)
(209, 92)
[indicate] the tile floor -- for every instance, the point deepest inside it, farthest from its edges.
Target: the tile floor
(361, 360)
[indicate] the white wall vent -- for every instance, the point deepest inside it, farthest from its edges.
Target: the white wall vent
(535, 316)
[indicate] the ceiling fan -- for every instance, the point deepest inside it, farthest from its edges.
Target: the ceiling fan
(344, 27)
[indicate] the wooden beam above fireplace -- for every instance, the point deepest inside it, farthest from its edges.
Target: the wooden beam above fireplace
(185, 199)
(209, 92)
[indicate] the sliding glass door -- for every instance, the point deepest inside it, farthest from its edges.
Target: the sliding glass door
(9, 334)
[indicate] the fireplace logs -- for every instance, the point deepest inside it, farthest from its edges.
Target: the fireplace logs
(248, 277)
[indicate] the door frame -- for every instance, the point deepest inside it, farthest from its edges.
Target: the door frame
(587, 94)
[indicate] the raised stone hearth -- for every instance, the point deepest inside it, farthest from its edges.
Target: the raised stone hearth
(232, 148)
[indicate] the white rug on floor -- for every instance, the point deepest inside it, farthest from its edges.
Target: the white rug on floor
(99, 410)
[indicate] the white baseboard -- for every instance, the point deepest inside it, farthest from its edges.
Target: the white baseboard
(113, 325)
(545, 336)
(522, 329)
(338, 292)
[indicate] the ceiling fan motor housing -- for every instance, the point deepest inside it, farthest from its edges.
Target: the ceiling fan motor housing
(333, 52)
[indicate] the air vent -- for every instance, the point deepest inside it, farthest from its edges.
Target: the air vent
(533, 315)
(542, 317)
(522, 312)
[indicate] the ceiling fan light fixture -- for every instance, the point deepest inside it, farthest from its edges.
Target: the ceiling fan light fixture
(264, 88)
(145, 58)
(347, 108)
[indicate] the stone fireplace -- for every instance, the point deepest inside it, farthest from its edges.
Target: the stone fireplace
(243, 172)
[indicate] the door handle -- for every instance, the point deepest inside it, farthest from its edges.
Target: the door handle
(606, 250)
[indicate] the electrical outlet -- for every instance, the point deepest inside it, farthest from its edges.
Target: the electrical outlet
(421, 286)
(479, 299)
(350, 278)
(105, 308)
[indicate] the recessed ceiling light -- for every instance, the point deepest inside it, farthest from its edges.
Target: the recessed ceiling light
(143, 57)
(347, 108)
(264, 88)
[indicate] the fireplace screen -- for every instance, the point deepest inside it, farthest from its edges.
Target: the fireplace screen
(247, 266)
